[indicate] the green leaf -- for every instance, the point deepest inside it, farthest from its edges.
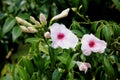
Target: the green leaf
(98, 32)
(66, 59)
(28, 65)
(94, 26)
(9, 23)
(32, 40)
(71, 62)
(116, 30)
(16, 32)
(78, 33)
(2, 15)
(43, 47)
(108, 67)
(22, 73)
(70, 76)
(39, 62)
(7, 77)
(106, 32)
(75, 25)
(56, 74)
(85, 5)
(52, 57)
(117, 4)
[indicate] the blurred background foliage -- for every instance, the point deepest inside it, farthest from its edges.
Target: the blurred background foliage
(100, 17)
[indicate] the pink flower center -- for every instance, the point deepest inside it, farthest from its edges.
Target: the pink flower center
(60, 36)
(91, 43)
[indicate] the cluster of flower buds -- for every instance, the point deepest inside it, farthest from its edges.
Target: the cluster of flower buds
(30, 28)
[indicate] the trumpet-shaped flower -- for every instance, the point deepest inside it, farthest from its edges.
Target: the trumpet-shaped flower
(83, 66)
(62, 37)
(90, 43)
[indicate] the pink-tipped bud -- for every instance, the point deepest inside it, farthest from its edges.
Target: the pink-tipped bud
(35, 21)
(32, 30)
(47, 34)
(24, 29)
(42, 19)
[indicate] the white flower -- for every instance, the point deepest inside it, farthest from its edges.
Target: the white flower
(83, 66)
(90, 43)
(62, 37)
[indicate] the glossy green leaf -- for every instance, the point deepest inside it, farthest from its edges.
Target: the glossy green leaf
(52, 57)
(7, 77)
(108, 67)
(78, 33)
(39, 62)
(98, 32)
(117, 4)
(28, 65)
(2, 15)
(9, 24)
(85, 4)
(16, 32)
(22, 73)
(75, 25)
(94, 26)
(70, 76)
(64, 58)
(106, 32)
(32, 40)
(116, 30)
(43, 47)
(56, 75)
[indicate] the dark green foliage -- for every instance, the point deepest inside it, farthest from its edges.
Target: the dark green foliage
(33, 58)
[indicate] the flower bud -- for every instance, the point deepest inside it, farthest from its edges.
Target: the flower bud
(74, 9)
(24, 29)
(83, 66)
(32, 30)
(23, 22)
(32, 19)
(42, 19)
(47, 34)
(35, 21)
(63, 14)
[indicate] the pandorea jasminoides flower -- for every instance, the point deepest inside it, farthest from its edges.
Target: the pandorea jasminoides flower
(83, 66)
(62, 37)
(90, 43)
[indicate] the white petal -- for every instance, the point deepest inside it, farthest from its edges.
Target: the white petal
(100, 46)
(85, 49)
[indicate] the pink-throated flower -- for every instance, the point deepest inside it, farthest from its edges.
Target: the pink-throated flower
(62, 37)
(83, 66)
(90, 44)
